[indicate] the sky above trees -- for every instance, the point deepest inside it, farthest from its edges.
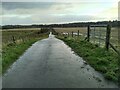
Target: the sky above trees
(54, 11)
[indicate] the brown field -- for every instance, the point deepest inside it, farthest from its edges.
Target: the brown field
(66, 30)
(7, 35)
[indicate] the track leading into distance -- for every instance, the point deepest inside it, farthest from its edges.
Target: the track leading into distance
(50, 63)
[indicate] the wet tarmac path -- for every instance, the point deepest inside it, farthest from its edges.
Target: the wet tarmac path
(50, 63)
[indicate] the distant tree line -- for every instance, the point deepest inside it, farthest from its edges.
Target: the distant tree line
(78, 24)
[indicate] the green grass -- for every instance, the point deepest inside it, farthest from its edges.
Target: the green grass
(11, 52)
(99, 58)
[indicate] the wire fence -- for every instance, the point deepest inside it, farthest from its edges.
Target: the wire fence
(101, 35)
(98, 35)
(105, 35)
(115, 38)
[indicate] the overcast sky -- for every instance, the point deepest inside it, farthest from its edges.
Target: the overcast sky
(58, 12)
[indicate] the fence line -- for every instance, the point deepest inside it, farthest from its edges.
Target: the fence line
(102, 38)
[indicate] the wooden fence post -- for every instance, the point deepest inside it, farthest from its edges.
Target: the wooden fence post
(72, 33)
(78, 33)
(107, 43)
(88, 33)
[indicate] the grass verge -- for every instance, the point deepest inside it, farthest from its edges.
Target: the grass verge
(11, 52)
(99, 58)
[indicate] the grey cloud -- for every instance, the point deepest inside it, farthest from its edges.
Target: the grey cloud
(68, 18)
(48, 19)
(10, 8)
(43, 13)
(26, 5)
(16, 20)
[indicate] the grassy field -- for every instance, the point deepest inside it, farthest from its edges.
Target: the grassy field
(12, 49)
(101, 60)
(7, 35)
